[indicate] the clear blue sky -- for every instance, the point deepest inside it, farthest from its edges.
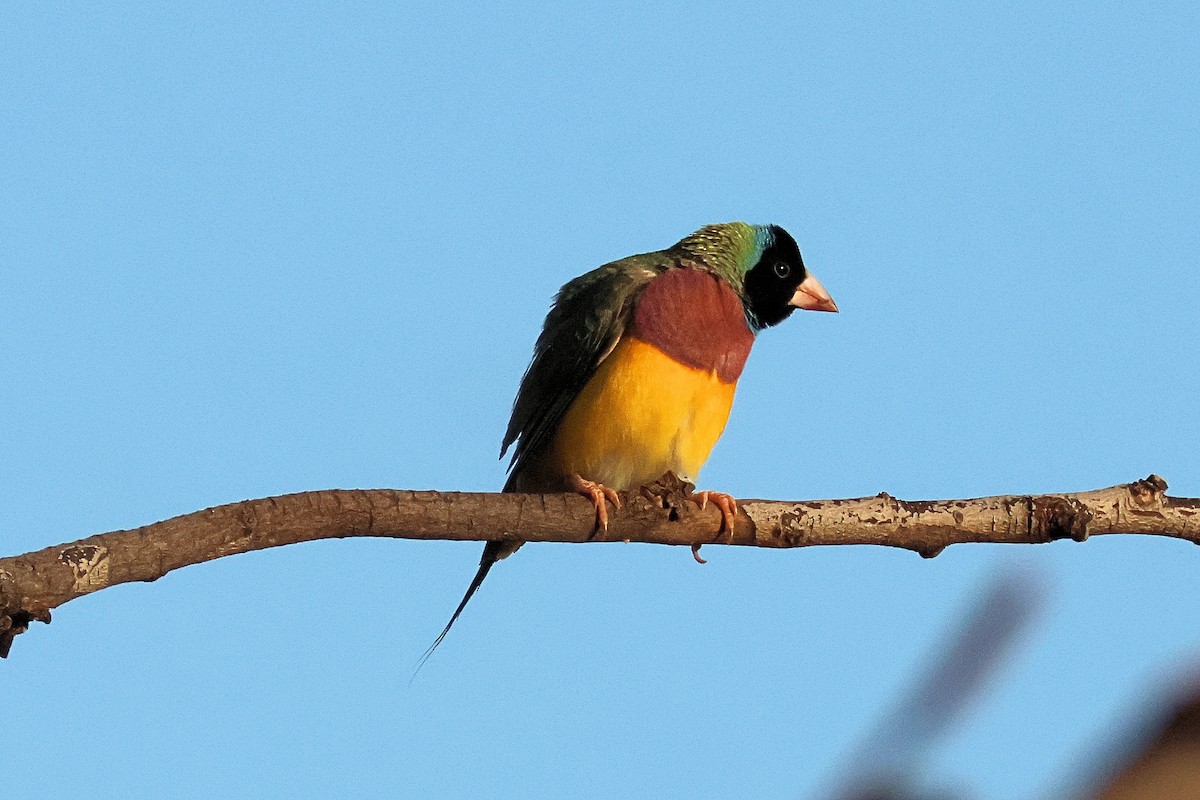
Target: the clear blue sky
(248, 252)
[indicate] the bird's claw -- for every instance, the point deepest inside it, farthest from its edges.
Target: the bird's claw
(670, 491)
(726, 503)
(597, 493)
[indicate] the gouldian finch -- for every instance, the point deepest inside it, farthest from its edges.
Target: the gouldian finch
(634, 372)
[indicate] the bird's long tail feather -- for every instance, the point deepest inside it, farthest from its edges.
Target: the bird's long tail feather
(492, 552)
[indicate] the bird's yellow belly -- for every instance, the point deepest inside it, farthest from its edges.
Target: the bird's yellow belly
(640, 415)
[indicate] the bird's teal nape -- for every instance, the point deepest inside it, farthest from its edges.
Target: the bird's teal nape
(730, 249)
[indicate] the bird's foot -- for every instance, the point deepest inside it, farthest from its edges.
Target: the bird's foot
(597, 493)
(670, 492)
(728, 507)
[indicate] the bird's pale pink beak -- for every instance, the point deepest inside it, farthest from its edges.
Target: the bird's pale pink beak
(811, 296)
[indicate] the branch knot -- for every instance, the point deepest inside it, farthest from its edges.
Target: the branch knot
(1056, 517)
(1148, 491)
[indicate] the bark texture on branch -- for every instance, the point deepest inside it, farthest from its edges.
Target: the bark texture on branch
(34, 583)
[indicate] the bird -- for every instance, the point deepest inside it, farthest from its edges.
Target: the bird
(634, 372)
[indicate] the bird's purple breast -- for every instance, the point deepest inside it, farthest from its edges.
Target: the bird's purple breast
(697, 319)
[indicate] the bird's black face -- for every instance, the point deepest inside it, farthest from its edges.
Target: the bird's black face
(771, 284)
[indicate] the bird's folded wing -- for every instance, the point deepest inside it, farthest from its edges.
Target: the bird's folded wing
(584, 325)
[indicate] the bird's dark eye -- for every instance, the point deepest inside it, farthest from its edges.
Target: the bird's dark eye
(782, 270)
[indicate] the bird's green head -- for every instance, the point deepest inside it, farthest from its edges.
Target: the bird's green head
(763, 264)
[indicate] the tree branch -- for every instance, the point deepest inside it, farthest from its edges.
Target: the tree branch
(33, 583)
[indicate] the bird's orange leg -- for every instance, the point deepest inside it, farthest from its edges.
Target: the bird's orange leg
(728, 508)
(597, 493)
